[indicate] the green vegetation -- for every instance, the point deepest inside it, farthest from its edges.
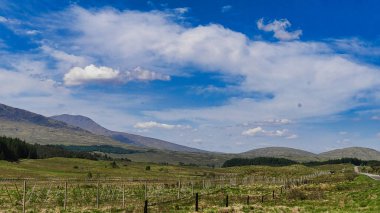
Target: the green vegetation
(307, 189)
(14, 149)
(266, 161)
(270, 161)
(100, 148)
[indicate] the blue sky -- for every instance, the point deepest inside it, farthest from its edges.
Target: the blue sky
(217, 75)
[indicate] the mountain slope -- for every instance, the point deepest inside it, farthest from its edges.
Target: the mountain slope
(281, 152)
(35, 128)
(136, 140)
(352, 152)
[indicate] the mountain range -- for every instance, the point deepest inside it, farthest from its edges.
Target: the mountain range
(80, 130)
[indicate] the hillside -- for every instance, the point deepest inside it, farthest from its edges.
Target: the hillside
(281, 152)
(352, 152)
(35, 128)
(136, 140)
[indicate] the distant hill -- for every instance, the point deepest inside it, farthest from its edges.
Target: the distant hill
(352, 152)
(281, 152)
(132, 139)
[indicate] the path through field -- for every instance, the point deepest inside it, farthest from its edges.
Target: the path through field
(373, 176)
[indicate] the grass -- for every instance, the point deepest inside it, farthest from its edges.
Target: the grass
(342, 191)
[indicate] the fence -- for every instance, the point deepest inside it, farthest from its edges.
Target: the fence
(142, 195)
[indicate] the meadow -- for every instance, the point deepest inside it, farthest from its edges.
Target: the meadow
(78, 185)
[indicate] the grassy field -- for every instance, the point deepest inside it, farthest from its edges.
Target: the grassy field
(170, 188)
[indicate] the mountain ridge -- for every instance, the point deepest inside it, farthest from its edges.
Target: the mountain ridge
(90, 125)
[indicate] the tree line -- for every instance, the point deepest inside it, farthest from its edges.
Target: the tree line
(271, 161)
(263, 161)
(13, 149)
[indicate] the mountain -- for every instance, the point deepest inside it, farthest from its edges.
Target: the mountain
(132, 139)
(35, 128)
(281, 152)
(352, 152)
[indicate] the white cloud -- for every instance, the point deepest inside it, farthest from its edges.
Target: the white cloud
(3, 19)
(306, 79)
(293, 136)
(253, 131)
(78, 75)
(278, 27)
(303, 79)
(63, 57)
(153, 124)
(259, 131)
(181, 10)
(92, 73)
(281, 121)
(226, 8)
(375, 117)
(144, 75)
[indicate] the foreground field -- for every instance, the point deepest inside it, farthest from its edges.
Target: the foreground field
(76, 185)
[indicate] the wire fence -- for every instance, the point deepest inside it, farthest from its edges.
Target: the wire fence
(139, 195)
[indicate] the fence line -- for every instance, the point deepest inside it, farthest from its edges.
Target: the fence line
(118, 191)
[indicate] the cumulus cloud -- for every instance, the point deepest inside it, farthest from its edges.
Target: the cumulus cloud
(153, 124)
(259, 131)
(278, 27)
(92, 73)
(253, 131)
(304, 79)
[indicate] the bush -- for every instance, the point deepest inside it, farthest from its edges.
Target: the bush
(296, 194)
(114, 165)
(147, 168)
(89, 175)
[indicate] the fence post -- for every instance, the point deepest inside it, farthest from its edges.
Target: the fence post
(226, 200)
(273, 195)
(262, 198)
(248, 200)
(281, 190)
(123, 196)
(179, 189)
(97, 195)
(146, 190)
(192, 187)
(65, 202)
(24, 197)
(146, 206)
(196, 202)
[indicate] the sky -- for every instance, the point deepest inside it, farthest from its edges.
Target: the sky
(226, 76)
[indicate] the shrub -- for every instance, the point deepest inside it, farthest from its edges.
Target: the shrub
(147, 168)
(296, 194)
(89, 175)
(114, 165)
